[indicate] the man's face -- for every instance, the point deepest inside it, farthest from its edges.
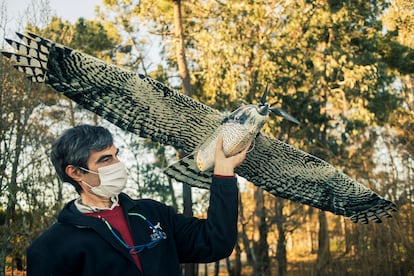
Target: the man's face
(98, 159)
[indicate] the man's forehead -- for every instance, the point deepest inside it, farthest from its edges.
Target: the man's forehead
(95, 154)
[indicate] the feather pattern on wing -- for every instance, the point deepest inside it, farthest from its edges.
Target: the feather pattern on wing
(287, 172)
(146, 107)
(133, 102)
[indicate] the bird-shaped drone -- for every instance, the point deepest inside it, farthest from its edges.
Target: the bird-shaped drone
(141, 105)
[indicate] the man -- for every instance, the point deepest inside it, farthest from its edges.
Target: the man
(105, 232)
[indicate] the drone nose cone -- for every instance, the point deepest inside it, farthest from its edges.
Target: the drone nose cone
(263, 109)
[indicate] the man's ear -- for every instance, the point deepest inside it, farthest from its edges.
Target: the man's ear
(74, 172)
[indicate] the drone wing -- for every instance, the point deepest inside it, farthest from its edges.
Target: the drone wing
(133, 102)
(146, 107)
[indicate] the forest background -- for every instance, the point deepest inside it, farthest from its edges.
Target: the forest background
(343, 68)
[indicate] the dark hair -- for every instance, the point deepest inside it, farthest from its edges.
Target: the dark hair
(75, 146)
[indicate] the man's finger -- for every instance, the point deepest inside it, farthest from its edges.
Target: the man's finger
(219, 145)
(246, 149)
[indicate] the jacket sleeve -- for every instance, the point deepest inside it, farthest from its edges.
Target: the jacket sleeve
(37, 263)
(211, 239)
(47, 255)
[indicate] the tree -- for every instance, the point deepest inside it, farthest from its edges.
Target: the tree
(23, 137)
(190, 269)
(29, 115)
(325, 62)
(21, 148)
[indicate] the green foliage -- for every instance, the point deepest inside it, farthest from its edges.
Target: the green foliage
(395, 55)
(89, 36)
(24, 141)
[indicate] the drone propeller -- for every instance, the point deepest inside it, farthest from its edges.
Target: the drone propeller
(283, 114)
(274, 110)
(263, 98)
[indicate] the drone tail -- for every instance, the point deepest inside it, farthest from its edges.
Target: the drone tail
(185, 170)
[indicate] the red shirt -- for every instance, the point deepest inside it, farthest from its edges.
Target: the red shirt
(117, 220)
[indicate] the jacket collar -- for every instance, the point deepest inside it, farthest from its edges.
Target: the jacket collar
(93, 209)
(71, 215)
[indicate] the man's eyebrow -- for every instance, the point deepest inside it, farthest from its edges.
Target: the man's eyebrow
(103, 157)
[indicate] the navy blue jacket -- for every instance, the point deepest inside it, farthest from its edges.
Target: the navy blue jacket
(82, 245)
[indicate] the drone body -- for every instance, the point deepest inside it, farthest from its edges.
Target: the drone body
(238, 130)
(148, 108)
(236, 136)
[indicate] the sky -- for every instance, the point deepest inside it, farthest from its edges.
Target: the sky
(67, 9)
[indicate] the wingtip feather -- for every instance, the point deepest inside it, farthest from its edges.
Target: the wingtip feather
(6, 54)
(20, 35)
(9, 41)
(33, 35)
(375, 213)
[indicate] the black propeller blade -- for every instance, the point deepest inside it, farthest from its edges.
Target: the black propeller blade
(274, 110)
(284, 115)
(263, 99)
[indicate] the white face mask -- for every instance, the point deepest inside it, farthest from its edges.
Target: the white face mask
(113, 180)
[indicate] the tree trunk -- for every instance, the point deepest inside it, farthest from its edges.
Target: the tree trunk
(180, 49)
(245, 239)
(190, 269)
(236, 269)
(216, 268)
(281, 242)
(262, 265)
(20, 124)
(324, 253)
